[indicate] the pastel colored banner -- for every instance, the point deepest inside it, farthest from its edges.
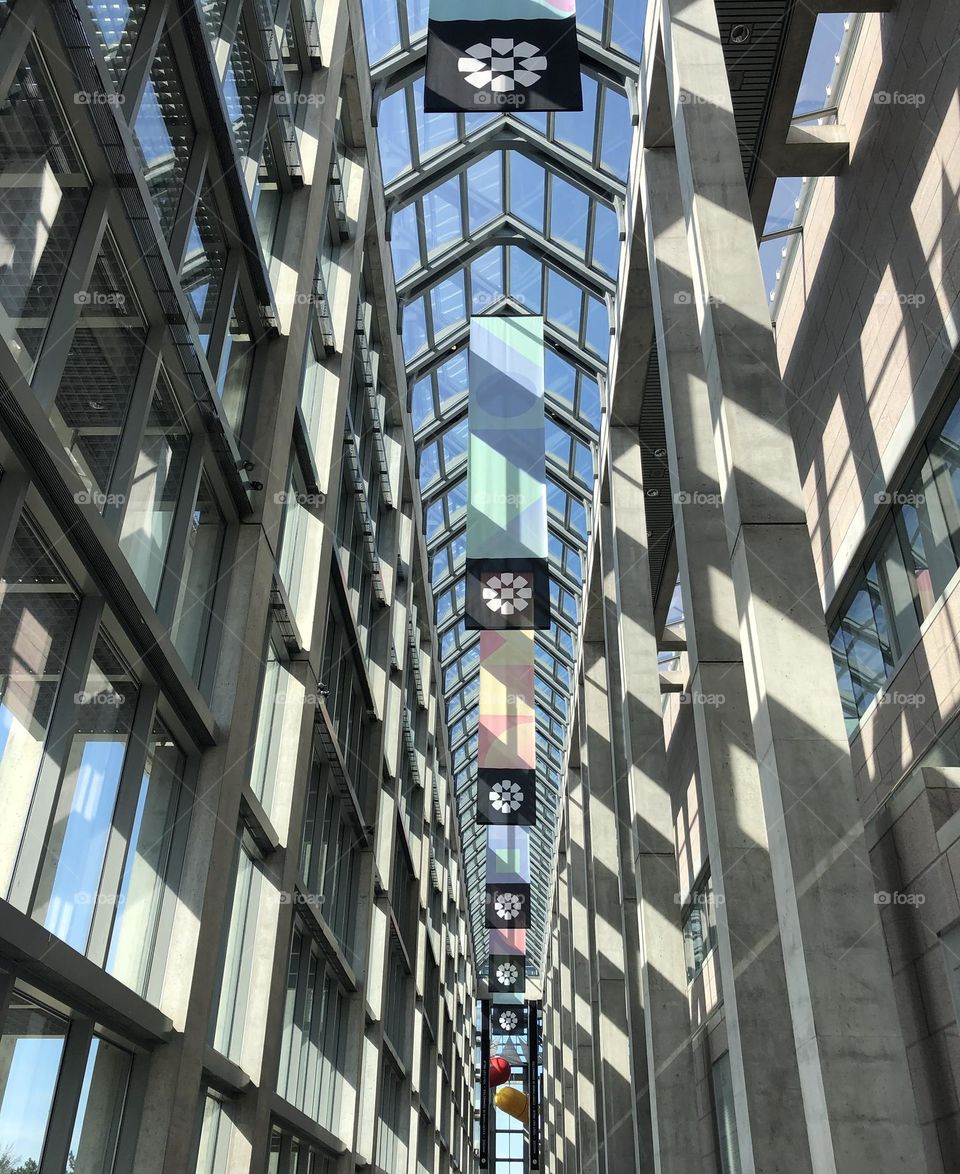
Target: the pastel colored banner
(507, 734)
(508, 855)
(508, 941)
(506, 55)
(506, 468)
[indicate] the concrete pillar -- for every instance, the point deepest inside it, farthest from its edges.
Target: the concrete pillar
(581, 949)
(615, 1072)
(568, 1069)
(782, 802)
(660, 1012)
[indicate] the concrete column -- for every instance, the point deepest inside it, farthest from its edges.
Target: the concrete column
(567, 1143)
(782, 709)
(660, 1012)
(581, 947)
(616, 1075)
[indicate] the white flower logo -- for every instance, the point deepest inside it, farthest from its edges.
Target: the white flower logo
(508, 1020)
(506, 797)
(507, 974)
(507, 593)
(502, 65)
(508, 906)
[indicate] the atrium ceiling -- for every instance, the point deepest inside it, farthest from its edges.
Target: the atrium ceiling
(494, 213)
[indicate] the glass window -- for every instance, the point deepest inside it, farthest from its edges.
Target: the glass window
(266, 746)
(311, 395)
(931, 560)
(201, 273)
(164, 133)
(117, 23)
(100, 374)
(293, 561)
(44, 196)
(864, 633)
(238, 957)
(155, 490)
(726, 1116)
(38, 613)
(75, 841)
(151, 866)
(191, 622)
(312, 1057)
(32, 1046)
(699, 927)
(329, 857)
(236, 365)
(96, 1129)
(241, 93)
(216, 1131)
(266, 202)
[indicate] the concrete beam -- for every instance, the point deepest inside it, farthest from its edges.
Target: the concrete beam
(809, 151)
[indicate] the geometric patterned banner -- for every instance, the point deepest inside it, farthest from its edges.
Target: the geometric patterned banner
(506, 796)
(502, 55)
(507, 733)
(506, 974)
(508, 1018)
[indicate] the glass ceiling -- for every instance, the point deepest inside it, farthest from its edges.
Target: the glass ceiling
(501, 213)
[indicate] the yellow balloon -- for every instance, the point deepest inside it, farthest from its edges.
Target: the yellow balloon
(513, 1102)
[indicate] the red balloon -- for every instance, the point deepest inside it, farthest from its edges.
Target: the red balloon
(499, 1071)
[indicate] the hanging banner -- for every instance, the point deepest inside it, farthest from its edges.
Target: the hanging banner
(506, 974)
(508, 941)
(533, 1081)
(508, 906)
(506, 55)
(508, 1019)
(508, 581)
(506, 796)
(507, 733)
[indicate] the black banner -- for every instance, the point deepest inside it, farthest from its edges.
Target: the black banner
(507, 1019)
(508, 906)
(506, 796)
(507, 974)
(484, 1080)
(533, 1081)
(504, 593)
(479, 66)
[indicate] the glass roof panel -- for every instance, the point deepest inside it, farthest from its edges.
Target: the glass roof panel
(477, 227)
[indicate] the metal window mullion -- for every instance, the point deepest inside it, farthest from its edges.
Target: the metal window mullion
(133, 431)
(66, 1101)
(120, 837)
(67, 307)
(224, 311)
(226, 38)
(177, 546)
(26, 874)
(145, 48)
(189, 198)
